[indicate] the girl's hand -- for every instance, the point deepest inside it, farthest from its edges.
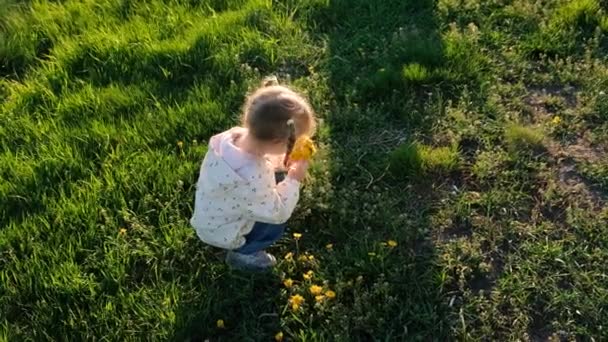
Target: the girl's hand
(297, 170)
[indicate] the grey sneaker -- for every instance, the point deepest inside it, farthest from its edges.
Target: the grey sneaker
(256, 261)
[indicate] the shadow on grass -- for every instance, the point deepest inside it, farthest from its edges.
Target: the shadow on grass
(244, 301)
(377, 107)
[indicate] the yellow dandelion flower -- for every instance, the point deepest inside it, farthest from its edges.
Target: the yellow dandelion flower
(315, 290)
(279, 336)
(296, 301)
(330, 294)
(311, 258)
(289, 256)
(556, 120)
(180, 144)
(319, 298)
(297, 236)
(392, 243)
(302, 258)
(329, 246)
(220, 324)
(122, 231)
(288, 282)
(308, 275)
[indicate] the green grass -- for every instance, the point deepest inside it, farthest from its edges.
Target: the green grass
(106, 107)
(415, 73)
(521, 138)
(417, 160)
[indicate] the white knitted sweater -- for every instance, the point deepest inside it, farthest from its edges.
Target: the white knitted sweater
(234, 190)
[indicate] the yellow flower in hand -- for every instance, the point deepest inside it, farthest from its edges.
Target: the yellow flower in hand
(303, 149)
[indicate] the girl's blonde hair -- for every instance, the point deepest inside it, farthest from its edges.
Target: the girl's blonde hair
(272, 111)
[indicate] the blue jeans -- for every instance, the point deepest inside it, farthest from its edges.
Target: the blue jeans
(261, 237)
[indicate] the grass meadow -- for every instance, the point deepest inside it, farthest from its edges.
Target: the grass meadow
(460, 192)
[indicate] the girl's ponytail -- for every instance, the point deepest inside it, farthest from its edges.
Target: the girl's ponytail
(291, 140)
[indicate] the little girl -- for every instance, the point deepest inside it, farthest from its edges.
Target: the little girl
(239, 205)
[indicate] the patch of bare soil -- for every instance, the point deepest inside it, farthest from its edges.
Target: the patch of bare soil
(544, 102)
(567, 159)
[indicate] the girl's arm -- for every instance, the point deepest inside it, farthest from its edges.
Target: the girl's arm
(274, 204)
